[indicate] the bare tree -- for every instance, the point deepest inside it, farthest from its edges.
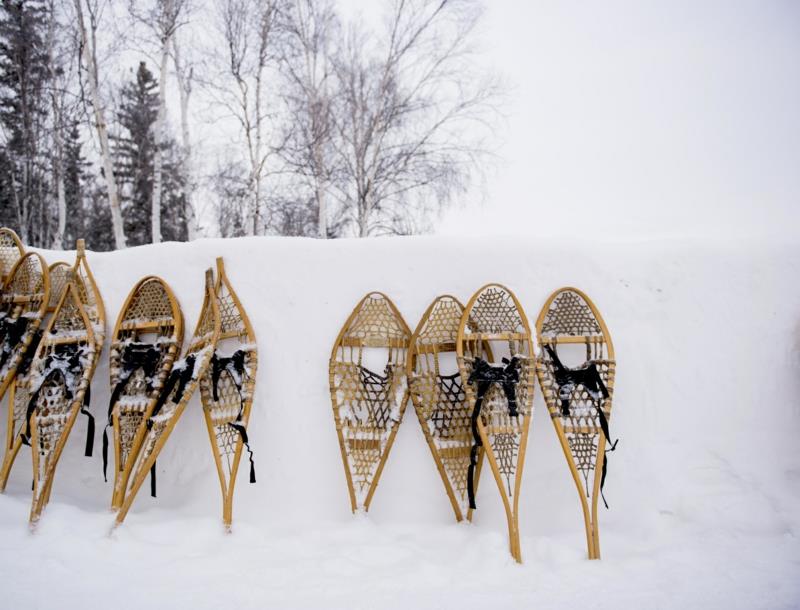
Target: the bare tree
(409, 108)
(87, 37)
(250, 30)
(184, 73)
(313, 27)
(162, 18)
(62, 78)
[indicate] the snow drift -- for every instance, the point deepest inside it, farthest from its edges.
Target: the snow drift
(704, 488)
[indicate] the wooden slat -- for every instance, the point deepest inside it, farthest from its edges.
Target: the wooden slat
(63, 340)
(373, 341)
(22, 299)
(146, 324)
(496, 336)
(430, 348)
(581, 339)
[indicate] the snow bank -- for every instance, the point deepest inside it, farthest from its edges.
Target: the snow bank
(704, 488)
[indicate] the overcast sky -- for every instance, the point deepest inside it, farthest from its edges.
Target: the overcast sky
(644, 118)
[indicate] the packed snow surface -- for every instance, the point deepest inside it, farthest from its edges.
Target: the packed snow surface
(704, 488)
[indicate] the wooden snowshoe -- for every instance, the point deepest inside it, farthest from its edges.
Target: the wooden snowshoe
(496, 358)
(175, 394)
(440, 400)
(368, 391)
(61, 373)
(226, 390)
(20, 382)
(580, 405)
(147, 339)
(11, 250)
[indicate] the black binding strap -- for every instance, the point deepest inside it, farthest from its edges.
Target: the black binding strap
(87, 397)
(134, 356)
(234, 367)
(484, 375)
(240, 428)
(67, 358)
(178, 379)
(175, 385)
(12, 331)
(588, 376)
(26, 434)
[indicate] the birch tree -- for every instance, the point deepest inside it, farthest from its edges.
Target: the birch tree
(250, 30)
(162, 18)
(410, 110)
(184, 73)
(87, 36)
(313, 27)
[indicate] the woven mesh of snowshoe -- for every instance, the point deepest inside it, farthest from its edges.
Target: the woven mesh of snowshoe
(230, 403)
(53, 411)
(150, 303)
(440, 400)
(494, 312)
(23, 298)
(90, 299)
(59, 275)
(570, 315)
(10, 251)
(376, 320)
(69, 320)
(367, 411)
(443, 411)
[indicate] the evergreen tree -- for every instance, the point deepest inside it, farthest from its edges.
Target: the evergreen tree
(98, 230)
(134, 150)
(24, 166)
(76, 178)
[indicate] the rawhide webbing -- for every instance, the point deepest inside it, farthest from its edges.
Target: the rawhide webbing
(64, 362)
(588, 376)
(484, 375)
(234, 367)
(134, 356)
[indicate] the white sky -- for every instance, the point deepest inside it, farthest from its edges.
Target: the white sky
(644, 118)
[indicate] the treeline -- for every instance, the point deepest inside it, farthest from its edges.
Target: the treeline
(160, 120)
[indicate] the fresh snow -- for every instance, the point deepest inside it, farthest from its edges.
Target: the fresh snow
(704, 488)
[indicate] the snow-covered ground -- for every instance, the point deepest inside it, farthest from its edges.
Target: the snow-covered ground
(704, 487)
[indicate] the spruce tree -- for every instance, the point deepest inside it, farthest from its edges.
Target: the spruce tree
(24, 167)
(134, 148)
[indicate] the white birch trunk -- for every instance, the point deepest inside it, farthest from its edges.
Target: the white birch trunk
(158, 157)
(61, 196)
(323, 214)
(185, 91)
(89, 60)
(58, 127)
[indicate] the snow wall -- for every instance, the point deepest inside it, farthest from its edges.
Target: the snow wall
(703, 488)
